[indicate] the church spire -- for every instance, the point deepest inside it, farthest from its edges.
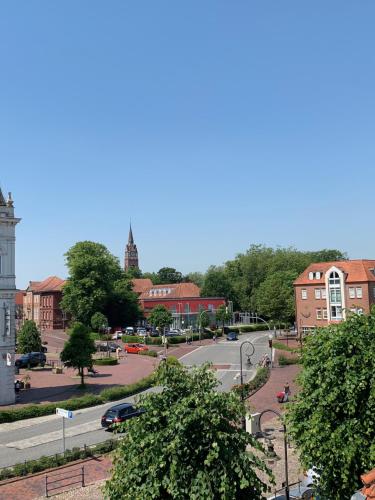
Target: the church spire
(130, 239)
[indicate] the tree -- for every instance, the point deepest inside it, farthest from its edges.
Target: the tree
(151, 276)
(332, 420)
(195, 277)
(99, 322)
(274, 297)
(29, 339)
(78, 350)
(160, 317)
(96, 283)
(122, 307)
(223, 315)
(188, 444)
(167, 275)
(203, 319)
(217, 284)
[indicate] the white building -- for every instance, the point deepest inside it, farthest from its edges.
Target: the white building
(7, 299)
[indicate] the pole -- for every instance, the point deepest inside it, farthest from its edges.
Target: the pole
(242, 389)
(63, 433)
(286, 464)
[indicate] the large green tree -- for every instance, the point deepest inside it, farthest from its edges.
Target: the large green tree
(97, 283)
(217, 284)
(78, 349)
(99, 322)
(28, 338)
(167, 275)
(274, 298)
(223, 315)
(160, 317)
(332, 420)
(187, 444)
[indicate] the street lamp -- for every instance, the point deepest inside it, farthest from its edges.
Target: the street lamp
(285, 448)
(251, 347)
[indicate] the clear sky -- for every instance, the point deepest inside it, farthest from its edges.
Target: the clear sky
(211, 124)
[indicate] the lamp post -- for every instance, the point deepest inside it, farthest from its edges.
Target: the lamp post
(285, 449)
(251, 347)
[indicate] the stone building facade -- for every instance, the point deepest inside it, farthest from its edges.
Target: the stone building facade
(8, 224)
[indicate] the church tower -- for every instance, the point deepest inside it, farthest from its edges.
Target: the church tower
(131, 252)
(7, 299)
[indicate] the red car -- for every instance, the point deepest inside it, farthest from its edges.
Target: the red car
(135, 348)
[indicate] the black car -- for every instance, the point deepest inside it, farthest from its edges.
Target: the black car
(120, 413)
(31, 359)
(232, 336)
(111, 347)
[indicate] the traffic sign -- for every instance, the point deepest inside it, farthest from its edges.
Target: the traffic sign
(64, 413)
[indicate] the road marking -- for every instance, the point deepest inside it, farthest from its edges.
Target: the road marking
(21, 424)
(191, 352)
(55, 436)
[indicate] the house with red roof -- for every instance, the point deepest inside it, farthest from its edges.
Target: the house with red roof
(41, 303)
(183, 300)
(327, 291)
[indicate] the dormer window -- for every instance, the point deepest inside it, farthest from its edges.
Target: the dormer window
(317, 275)
(311, 275)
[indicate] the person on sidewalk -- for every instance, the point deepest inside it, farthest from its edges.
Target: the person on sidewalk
(286, 392)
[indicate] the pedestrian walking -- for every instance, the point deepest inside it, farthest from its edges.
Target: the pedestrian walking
(286, 392)
(214, 337)
(118, 353)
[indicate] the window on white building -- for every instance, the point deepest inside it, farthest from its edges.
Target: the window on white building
(334, 278)
(351, 293)
(304, 294)
(319, 313)
(335, 296)
(317, 293)
(359, 292)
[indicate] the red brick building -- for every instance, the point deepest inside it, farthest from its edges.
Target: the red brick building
(42, 304)
(182, 299)
(326, 292)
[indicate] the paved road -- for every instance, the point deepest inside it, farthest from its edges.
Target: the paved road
(30, 439)
(25, 440)
(225, 356)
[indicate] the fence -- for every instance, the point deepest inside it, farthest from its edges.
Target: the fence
(73, 476)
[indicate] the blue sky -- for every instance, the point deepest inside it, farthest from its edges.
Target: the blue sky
(211, 124)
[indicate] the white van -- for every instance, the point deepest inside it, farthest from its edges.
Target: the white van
(129, 330)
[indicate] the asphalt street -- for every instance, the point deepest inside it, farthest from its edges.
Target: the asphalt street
(225, 356)
(33, 438)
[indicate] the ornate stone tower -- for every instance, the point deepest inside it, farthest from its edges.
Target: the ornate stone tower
(7, 299)
(131, 252)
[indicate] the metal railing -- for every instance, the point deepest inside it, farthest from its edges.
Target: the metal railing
(56, 486)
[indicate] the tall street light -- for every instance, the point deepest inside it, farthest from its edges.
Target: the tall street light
(285, 448)
(250, 352)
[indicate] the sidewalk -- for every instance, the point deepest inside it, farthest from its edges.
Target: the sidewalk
(32, 487)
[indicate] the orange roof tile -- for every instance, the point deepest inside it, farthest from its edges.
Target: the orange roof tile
(174, 290)
(33, 285)
(141, 284)
(356, 271)
(50, 284)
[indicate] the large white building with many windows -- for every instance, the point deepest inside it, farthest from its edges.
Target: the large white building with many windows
(327, 291)
(7, 299)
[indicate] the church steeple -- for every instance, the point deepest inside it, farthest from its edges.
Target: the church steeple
(131, 252)
(2, 199)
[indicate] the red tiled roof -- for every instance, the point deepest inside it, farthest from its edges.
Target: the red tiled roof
(33, 285)
(141, 284)
(50, 284)
(356, 271)
(175, 290)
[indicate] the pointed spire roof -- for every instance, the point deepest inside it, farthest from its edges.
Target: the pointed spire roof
(2, 199)
(130, 239)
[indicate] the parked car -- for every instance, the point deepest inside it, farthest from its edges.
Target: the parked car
(104, 347)
(141, 332)
(296, 493)
(129, 330)
(117, 335)
(176, 331)
(135, 348)
(154, 333)
(31, 359)
(232, 336)
(119, 413)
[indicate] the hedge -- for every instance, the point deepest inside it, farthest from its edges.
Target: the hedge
(284, 347)
(153, 354)
(111, 394)
(261, 377)
(43, 463)
(105, 361)
(285, 361)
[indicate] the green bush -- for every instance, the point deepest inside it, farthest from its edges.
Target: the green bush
(256, 383)
(114, 393)
(284, 361)
(43, 463)
(153, 340)
(105, 361)
(283, 347)
(255, 327)
(151, 353)
(132, 339)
